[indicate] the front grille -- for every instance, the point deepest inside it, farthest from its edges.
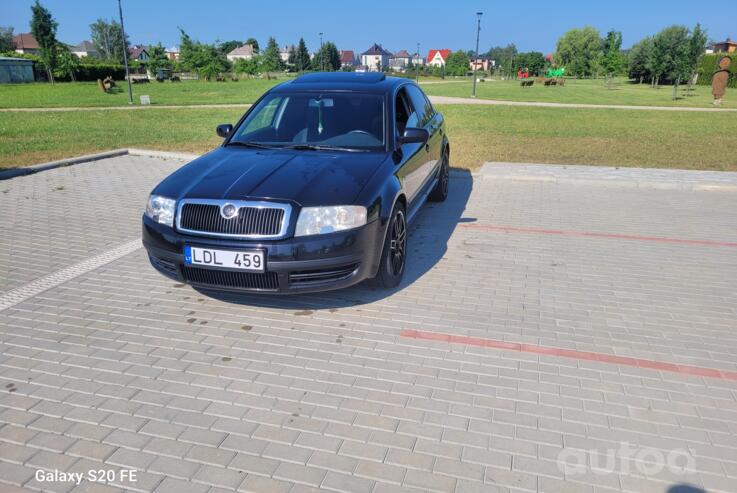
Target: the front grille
(250, 221)
(267, 281)
(302, 278)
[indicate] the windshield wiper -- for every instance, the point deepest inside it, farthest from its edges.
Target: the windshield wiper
(313, 147)
(256, 145)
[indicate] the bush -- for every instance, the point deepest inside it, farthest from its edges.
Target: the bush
(92, 72)
(708, 65)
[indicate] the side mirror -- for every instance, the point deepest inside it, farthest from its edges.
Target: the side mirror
(414, 135)
(224, 129)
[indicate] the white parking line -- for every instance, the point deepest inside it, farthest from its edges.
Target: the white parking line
(22, 293)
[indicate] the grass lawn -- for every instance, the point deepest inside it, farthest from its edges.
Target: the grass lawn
(477, 134)
(187, 92)
(44, 95)
(583, 91)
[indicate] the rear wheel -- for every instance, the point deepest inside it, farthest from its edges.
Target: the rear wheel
(394, 254)
(440, 192)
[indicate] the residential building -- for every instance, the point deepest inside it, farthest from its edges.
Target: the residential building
(172, 53)
(25, 43)
(284, 52)
(376, 58)
(726, 46)
(400, 60)
(347, 58)
(482, 63)
(138, 53)
(245, 52)
(85, 48)
(437, 58)
(417, 59)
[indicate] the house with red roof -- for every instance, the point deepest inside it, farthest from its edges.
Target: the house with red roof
(437, 58)
(25, 43)
(139, 53)
(347, 58)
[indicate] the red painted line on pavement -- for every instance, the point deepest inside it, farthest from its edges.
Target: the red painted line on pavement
(590, 234)
(572, 354)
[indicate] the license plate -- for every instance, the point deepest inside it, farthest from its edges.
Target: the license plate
(252, 260)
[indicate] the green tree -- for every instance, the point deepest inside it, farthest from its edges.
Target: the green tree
(6, 39)
(43, 28)
(200, 57)
(457, 63)
(157, 58)
(271, 61)
(671, 55)
(612, 60)
(67, 63)
(108, 39)
(227, 46)
(301, 57)
(253, 42)
(250, 66)
(329, 56)
(579, 51)
(504, 57)
(534, 61)
(697, 48)
(638, 59)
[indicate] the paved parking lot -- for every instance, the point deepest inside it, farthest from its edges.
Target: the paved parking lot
(559, 330)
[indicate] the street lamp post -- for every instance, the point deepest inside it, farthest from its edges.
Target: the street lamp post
(417, 62)
(322, 68)
(125, 55)
(476, 60)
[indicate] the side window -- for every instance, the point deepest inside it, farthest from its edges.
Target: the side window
(421, 105)
(265, 118)
(406, 117)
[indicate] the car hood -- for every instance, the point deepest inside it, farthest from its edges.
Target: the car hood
(305, 177)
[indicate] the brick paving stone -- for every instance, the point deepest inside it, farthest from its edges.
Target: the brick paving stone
(106, 368)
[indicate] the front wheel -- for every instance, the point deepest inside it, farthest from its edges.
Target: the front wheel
(440, 192)
(394, 254)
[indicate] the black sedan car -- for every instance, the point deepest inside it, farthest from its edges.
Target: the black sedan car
(313, 189)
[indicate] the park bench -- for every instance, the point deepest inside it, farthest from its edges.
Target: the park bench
(526, 82)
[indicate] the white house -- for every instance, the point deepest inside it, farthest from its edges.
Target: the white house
(375, 58)
(437, 58)
(244, 52)
(85, 48)
(138, 52)
(400, 60)
(284, 52)
(172, 53)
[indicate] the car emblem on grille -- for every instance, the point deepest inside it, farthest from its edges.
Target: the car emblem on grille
(228, 211)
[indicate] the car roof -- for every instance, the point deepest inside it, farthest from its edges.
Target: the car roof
(376, 82)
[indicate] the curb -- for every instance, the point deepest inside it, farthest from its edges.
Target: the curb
(29, 170)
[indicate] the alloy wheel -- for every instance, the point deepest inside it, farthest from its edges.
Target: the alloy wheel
(398, 244)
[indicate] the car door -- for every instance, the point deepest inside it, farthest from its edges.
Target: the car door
(413, 154)
(431, 122)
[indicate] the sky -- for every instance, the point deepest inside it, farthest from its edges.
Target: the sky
(395, 24)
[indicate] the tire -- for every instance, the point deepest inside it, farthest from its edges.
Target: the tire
(440, 192)
(394, 253)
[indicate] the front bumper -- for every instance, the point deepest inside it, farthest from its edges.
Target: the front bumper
(293, 265)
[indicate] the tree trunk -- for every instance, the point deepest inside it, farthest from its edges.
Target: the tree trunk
(50, 74)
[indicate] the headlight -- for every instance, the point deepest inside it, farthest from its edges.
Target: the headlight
(321, 220)
(161, 209)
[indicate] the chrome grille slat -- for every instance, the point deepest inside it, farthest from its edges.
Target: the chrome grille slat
(231, 279)
(254, 219)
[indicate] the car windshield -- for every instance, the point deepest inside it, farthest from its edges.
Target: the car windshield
(329, 120)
